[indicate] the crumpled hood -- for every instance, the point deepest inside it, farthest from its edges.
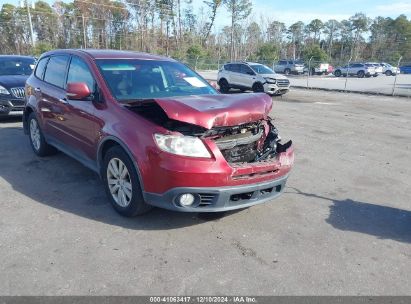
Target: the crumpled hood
(219, 110)
(13, 81)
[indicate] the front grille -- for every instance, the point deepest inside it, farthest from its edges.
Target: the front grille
(17, 103)
(206, 199)
(283, 82)
(18, 92)
(246, 196)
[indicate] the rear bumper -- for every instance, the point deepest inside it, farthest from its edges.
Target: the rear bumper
(218, 199)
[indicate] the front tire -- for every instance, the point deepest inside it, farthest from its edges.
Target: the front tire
(337, 73)
(287, 71)
(122, 183)
(224, 86)
(37, 140)
(258, 88)
(388, 73)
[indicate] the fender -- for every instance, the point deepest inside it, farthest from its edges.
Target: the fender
(125, 148)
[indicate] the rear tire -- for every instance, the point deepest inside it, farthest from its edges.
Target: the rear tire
(37, 141)
(122, 183)
(224, 86)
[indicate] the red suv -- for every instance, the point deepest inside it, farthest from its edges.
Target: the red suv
(155, 131)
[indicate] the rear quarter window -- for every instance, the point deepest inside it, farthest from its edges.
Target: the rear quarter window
(39, 73)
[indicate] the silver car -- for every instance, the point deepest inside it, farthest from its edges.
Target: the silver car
(289, 67)
(389, 70)
(360, 70)
(251, 76)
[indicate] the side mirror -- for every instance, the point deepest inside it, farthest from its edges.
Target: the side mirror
(250, 73)
(78, 90)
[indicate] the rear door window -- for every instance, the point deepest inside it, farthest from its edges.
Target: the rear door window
(56, 70)
(235, 68)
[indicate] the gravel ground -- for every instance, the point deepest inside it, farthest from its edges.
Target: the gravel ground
(343, 227)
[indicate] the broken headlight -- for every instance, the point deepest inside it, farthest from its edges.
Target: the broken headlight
(182, 145)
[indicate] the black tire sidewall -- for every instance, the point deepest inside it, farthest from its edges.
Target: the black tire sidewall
(44, 149)
(258, 88)
(137, 205)
(224, 86)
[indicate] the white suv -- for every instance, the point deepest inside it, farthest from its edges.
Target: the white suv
(251, 76)
(360, 70)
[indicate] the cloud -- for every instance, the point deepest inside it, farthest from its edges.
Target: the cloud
(398, 8)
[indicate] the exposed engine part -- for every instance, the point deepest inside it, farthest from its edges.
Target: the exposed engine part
(230, 141)
(246, 143)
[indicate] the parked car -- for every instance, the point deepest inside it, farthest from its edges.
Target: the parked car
(377, 66)
(405, 69)
(155, 131)
(317, 69)
(14, 71)
(252, 76)
(289, 67)
(389, 70)
(360, 70)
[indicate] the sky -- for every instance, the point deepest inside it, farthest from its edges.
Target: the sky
(306, 10)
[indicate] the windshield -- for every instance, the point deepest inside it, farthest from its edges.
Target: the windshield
(261, 69)
(16, 66)
(131, 79)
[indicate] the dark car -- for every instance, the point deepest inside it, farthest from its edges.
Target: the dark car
(155, 131)
(14, 71)
(405, 69)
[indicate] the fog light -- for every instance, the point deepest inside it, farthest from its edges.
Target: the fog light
(186, 199)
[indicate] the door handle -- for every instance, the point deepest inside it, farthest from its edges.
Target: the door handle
(37, 90)
(63, 100)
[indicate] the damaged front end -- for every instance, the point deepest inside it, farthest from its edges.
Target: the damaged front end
(248, 143)
(245, 143)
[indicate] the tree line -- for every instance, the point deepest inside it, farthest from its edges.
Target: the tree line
(174, 28)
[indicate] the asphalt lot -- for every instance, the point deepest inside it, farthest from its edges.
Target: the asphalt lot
(376, 85)
(343, 227)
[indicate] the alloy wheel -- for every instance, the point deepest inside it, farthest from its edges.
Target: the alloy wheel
(119, 182)
(35, 134)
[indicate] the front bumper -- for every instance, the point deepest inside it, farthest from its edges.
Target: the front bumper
(274, 89)
(218, 199)
(10, 104)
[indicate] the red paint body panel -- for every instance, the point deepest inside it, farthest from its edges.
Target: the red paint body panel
(84, 125)
(218, 110)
